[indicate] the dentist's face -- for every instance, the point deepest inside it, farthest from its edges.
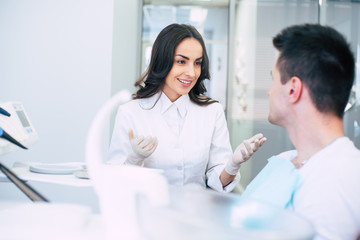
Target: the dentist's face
(186, 69)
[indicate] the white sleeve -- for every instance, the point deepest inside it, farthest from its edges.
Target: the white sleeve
(220, 153)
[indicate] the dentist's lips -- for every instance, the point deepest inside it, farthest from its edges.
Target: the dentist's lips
(185, 83)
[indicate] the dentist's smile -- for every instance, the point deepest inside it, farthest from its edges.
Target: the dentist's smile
(184, 82)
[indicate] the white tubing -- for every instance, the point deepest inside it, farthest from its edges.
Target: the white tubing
(93, 153)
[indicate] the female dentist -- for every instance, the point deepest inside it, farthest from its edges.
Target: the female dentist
(171, 125)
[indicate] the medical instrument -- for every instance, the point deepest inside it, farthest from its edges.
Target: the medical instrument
(4, 112)
(6, 136)
(17, 126)
(23, 186)
(18, 131)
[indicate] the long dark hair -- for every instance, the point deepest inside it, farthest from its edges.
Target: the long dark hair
(162, 59)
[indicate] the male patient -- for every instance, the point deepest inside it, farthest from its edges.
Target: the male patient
(320, 180)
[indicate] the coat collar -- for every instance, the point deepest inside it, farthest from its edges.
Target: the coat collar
(182, 104)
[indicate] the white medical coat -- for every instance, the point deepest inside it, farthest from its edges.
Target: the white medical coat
(194, 143)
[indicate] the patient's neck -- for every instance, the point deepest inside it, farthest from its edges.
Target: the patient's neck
(313, 134)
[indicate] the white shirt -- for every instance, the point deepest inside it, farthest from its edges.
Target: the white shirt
(330, 193)
(194, 143)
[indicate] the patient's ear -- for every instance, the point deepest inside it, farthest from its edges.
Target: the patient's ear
(295, 89)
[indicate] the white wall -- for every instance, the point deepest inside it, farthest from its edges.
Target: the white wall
(63, 59)
(126, 58)
(56, 58)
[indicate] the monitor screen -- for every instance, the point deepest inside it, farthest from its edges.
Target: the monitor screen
(23, 118)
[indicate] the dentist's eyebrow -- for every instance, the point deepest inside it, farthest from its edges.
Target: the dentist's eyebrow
(188, 58)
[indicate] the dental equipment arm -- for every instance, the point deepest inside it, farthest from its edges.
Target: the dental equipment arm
(23, 186)
(6, 136)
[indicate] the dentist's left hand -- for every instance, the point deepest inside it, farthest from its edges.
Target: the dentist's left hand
(244, 152)
(142, 148)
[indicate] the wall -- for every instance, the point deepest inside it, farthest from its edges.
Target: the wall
(126, 63)
(55, 57)
(63, 59)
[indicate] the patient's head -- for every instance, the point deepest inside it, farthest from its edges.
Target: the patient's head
(322, 59)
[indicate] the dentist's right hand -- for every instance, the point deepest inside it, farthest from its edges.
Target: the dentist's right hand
(142, 148)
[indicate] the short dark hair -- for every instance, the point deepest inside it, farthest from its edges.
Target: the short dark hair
(322, 59)
(162, 59)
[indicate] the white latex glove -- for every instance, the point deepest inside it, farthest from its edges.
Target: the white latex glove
(142, 148)
(244, 152)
